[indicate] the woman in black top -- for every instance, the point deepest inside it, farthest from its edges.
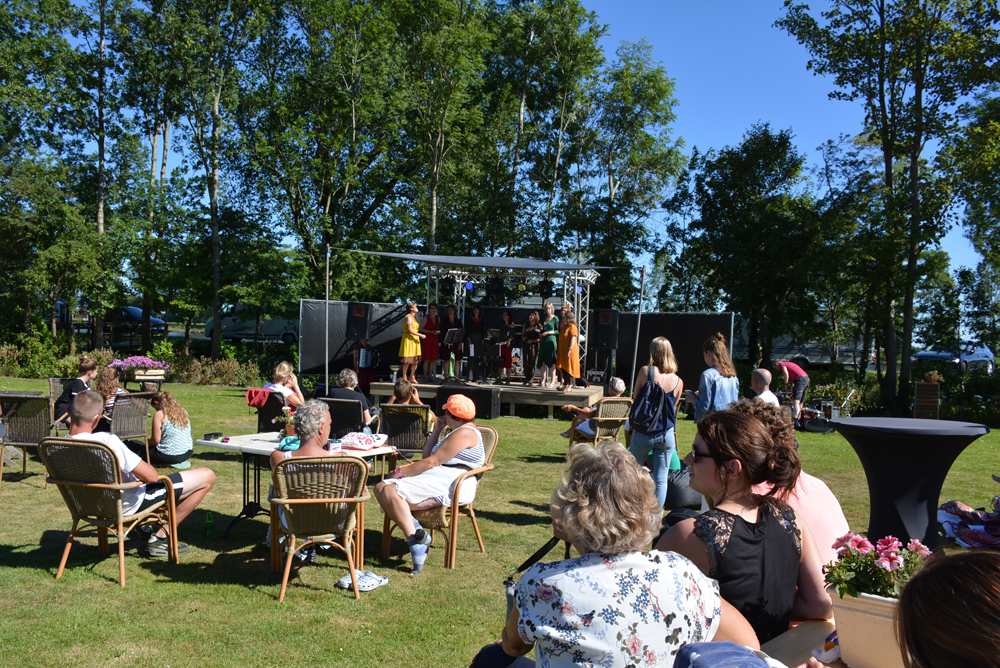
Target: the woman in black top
(508, 330)
(87, 371)
(530, 339)
(475, 333)
(765, 560)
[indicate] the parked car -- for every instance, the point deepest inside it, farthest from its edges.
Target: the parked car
(238, 323)
(964, 355)
(131, 316)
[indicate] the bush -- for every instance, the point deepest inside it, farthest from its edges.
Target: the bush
(163, 351)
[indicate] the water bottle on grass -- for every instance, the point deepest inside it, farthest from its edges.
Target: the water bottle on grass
(209, 525)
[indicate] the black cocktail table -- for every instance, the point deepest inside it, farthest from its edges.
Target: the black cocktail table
(906, 462)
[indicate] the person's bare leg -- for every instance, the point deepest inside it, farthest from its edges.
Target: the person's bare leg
(197, 483)
(398, 509)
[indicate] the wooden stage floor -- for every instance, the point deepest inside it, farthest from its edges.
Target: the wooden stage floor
(513, 395)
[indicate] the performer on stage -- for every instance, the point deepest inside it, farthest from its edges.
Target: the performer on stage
(451, 321)
(547, 351)
(429, 347)
(529, 345)
(475, 334)
(568, 357)
(364, 365)
(507, 333)
(409, 346)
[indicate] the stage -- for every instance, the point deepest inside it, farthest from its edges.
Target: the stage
(513, 394)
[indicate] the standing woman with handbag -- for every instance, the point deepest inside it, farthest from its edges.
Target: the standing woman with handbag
(530, 339)
(666, 389)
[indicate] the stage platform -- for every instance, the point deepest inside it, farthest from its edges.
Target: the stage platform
(513, 395)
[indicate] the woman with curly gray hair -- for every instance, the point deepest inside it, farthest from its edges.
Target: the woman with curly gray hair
(312, 426)
(617, 604)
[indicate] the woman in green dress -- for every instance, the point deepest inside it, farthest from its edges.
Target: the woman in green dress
(550, 342)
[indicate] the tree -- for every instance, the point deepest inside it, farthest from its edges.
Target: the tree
(980, 290)
(910, 62)
(938, 299)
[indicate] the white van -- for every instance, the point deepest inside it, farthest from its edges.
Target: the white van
(238, 324)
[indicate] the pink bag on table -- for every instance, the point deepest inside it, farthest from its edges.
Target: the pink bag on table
(358, 441)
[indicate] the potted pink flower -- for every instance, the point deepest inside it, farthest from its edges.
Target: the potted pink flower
(868, 578)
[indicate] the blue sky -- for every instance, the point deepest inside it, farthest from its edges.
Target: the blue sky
(733, 69)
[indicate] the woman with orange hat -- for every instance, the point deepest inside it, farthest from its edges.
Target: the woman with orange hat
(428, 483)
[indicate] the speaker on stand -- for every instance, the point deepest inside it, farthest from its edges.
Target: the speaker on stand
(359, 320)
(604, 339)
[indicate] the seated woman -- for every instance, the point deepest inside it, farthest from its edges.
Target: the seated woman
(170, 442)
(107, 383)
(429, 482)
(811, 499)
(766, 562)
(404, 393)
(617, 604)
(86, 373)
(287, 385)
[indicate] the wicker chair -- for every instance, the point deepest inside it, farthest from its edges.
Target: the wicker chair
(26, 417)
(446, 517)
(90, 480)
(130, 416)
(266, 415)
(348, 415)
(319, 498)
(407, 426)
(56, 387)
(609, 418)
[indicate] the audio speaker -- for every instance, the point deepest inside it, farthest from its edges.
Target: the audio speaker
(486, 399)
(359, 320)
(605, 328)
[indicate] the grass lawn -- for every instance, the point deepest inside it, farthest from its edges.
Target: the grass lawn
(218, 606)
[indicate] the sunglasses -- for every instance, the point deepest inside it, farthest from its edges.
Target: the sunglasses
(705, 455)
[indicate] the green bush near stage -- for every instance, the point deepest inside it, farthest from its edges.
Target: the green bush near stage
(218, 606)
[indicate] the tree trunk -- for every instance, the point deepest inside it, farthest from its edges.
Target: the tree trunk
(101, 131)
(213, 198)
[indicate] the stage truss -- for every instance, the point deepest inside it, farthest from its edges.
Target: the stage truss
(576, 284)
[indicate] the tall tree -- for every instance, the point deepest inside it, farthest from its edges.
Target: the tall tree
(910, 62)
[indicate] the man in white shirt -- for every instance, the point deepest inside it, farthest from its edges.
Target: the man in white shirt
(760, 381)
(190, 486)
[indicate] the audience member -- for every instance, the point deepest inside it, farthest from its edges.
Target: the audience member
(760, 382)
(190, 487)
(792, 373)
(347, 383)
(429, 482)
(582, 423)
(718, 387)
(287, 385)
(107, 383)
(766, 562)
(170, 442)
(810, 498)
(660, 440)
(617, 604)
(86, 373)
(403, 392)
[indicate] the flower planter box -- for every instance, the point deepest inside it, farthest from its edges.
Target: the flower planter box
(145, 374)
(865, 631)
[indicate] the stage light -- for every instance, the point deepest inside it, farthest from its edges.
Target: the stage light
(545, 288)
(522, 287)
(469, 285)
(494, 287)
(579, 289)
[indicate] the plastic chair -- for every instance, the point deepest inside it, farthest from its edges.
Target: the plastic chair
(318, 498)
(446, 517)
(90, 480)
(611, 415)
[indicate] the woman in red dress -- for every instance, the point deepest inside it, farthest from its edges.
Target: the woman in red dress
(431, 327)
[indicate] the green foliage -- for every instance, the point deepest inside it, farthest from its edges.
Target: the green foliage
(163, 351)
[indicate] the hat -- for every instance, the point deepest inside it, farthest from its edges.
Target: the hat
(460, 406)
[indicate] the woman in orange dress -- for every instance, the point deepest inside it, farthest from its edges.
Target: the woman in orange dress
(568, 354)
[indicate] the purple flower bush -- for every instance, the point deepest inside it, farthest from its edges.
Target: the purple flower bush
(881, 569)
(139, 363)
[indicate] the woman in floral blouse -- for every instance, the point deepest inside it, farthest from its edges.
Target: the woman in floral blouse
(617, 604)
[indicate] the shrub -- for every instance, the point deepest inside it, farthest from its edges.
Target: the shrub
(186, 369)
(163, 351)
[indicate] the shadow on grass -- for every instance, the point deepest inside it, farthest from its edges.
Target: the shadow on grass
(516, 519)
(543, 459)
(540, 507)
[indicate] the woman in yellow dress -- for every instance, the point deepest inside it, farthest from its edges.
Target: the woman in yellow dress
(568, 356)
(409, 346)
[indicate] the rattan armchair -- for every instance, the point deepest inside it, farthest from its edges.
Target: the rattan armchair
(130, 416)
(56, 387)
(446, 517)
(26, 417)
(609, 418)
(348, 415)
(407, 426)
(90, 480)
(320, 499)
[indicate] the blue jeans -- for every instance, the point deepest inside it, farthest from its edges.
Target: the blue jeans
(717, 655)
(662, 447)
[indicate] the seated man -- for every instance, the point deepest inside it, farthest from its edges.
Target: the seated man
(190, 487)
(760, 381)
(582, 423)
(347, 383)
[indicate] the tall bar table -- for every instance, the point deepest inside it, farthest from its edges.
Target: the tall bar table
(906, 461)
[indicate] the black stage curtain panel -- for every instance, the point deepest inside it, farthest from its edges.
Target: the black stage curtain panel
(387, 330)
(687, 333)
